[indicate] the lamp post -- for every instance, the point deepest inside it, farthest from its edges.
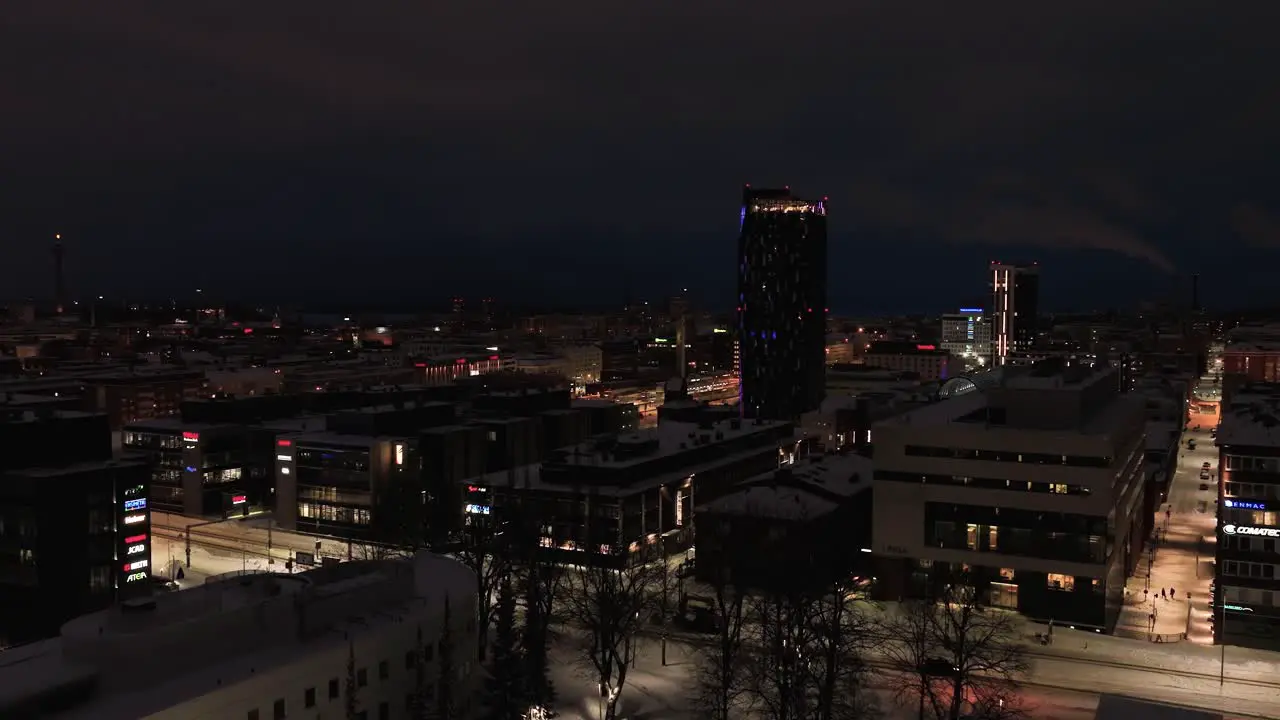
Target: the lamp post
(1221, 632)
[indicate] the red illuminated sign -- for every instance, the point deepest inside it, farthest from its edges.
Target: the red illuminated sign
(285, 443)
(926, 347)
(134, 539)
(475, 488)
(493, 357)
(461, 361)
(238, 499)
(190, 436)
(421, 365)
(248, 331)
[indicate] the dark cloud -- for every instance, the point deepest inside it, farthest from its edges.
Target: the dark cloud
(1255, 226)
(1088, 125)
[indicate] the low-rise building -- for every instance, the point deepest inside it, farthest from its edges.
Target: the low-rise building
(805, 525)
(928, 361)
(262, 646)
(1034, 485)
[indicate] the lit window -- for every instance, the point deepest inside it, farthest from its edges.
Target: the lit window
(1065, 583)
(1006, 573)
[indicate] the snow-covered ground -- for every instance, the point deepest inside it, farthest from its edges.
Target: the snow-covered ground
(655, 692)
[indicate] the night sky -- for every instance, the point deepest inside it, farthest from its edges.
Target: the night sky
(575, 152)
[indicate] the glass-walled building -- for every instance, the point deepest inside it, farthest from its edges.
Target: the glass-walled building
(204, 470)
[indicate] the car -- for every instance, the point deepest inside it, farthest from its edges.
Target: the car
(937, 667)
(1204, 474)
(1205, 465)
(1204, 486)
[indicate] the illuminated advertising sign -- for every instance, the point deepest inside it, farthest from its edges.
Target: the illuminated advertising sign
(926, 347)
(1250, 530)
(1244, 504)
(136, 565)
(135, 549)
(135, 577)
(399, 454)
(285, 458)
(135, 504)
(478, 509)
(135, 539)
(135, 519)
(284, 443)
(191, 437)
(239, 499)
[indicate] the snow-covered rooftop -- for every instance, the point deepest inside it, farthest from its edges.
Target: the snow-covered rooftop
(189, 643)
(1251, 419)
(806, 490)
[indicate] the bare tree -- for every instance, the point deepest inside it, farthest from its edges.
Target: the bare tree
(610, 605)
(485, 551)
(958, 656)
(841, 635)
(543, 581)
(780, 680)
(811, 659)
(720, 682)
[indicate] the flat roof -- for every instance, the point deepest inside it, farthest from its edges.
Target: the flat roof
(1251, 419)
(810, 488)
(91, 647)
(668, 438)
(322, 439)
(77, 468)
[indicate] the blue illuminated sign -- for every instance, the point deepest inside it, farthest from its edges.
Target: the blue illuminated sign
(137, 504)
(971, 310)
(1244, 504)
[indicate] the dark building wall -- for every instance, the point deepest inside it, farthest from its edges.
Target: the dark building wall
(782, 295)
(54, 439)
(1026, 300)
(60, 551)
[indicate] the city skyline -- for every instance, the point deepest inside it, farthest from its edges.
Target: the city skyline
(194, 172)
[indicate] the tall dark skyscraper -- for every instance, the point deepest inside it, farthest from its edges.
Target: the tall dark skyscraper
(782, 303)
(1015, 307)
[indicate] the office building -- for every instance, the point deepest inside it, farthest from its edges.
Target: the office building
(31, 438)
(967, 334)
(201, 469)
(782, 297)
(1033, 483)
(1247, 596)
(1015, 307)
(615, 496)
(261, 646)
(927, 362)
(144, 393)
(327, 483)
(75, 539)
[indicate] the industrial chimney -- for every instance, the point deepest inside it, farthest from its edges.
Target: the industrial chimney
(59, 286)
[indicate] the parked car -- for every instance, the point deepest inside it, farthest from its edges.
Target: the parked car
(1204, 486)
(1205, 465)
(1204, 474)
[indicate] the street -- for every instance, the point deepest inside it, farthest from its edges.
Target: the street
(1183, 555)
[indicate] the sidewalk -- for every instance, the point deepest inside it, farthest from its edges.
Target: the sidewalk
(1180, 560)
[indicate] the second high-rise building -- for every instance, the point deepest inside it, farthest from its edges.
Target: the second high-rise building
(782, 303)
(1015, 305)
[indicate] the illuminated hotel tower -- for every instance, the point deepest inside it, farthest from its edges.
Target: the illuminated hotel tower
(1015, 303)
(782, 300)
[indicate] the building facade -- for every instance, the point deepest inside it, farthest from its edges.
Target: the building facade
(1247, 594)
(928, 362)
(967, 334)
(260, 646)
(782, 296)
(1035, 487)
(73, 540)
(1014, 311)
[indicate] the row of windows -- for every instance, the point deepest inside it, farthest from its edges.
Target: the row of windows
(1006, 456)
(1251, 597)
(332, 494)
(1238, 568)
(335, 513)
(1261, 518)
(279, 708)
(1019, 541)
(152, 440)
(1257, 491)
(1253, 464)
(985, 483)
(1246, 543)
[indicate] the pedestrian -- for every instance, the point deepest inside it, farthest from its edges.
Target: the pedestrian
(1161, 593)
(1172, 594)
